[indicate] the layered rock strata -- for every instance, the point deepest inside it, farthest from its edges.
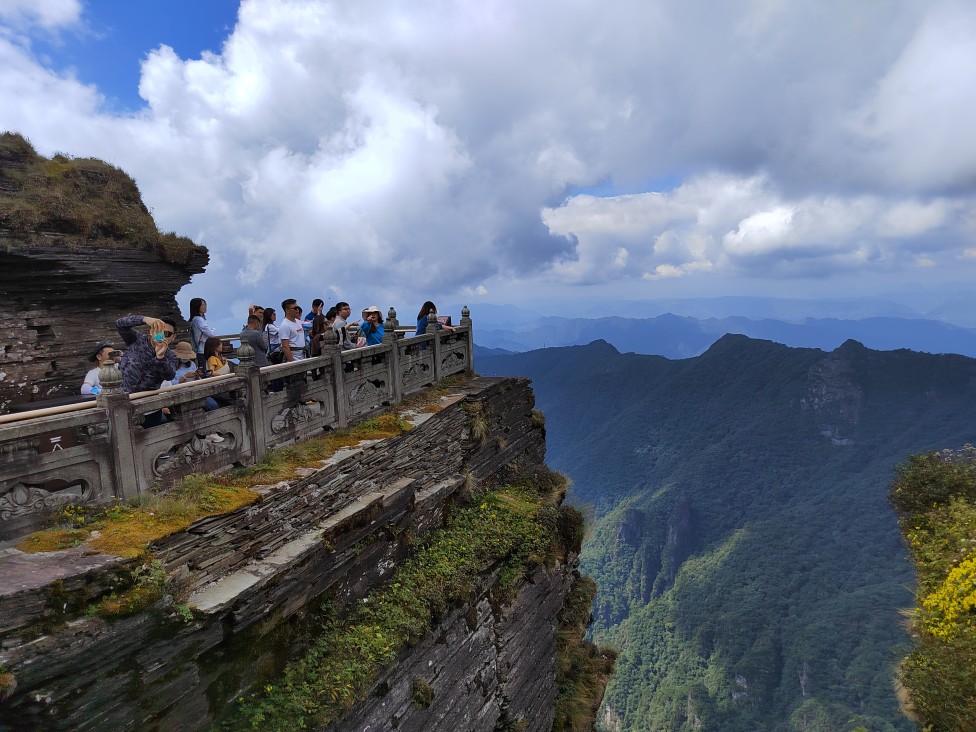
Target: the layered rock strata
(256, 578)
(78, 249)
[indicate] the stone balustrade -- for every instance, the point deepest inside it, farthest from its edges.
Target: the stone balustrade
(102, 452)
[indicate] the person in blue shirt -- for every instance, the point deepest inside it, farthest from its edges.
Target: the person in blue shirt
(426, 309)
(372, 326)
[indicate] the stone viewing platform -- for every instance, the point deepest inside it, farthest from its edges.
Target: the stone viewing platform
(99, 452)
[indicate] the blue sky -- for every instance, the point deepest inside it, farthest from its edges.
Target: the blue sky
(386, 153)
(107, 48)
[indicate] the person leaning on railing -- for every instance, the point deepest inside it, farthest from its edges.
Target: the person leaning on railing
(252, 335)
(426, 309)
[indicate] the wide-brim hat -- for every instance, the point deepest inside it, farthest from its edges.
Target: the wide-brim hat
(372, 309)
(184, 351)
(98, 349)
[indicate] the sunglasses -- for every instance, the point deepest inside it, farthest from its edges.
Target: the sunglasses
(169, 333)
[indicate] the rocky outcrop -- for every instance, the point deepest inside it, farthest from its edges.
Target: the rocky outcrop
(78, 249)
(258, 577)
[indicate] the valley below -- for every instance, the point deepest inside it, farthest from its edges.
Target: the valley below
(750, 570)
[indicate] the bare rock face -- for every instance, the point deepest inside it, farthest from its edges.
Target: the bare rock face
(78, 250)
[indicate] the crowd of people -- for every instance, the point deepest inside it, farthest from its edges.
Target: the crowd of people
(155, 360)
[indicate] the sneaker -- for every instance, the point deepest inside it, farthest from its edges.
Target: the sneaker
(214, 437)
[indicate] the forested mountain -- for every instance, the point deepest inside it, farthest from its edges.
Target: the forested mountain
(677, 336)
(750, 570)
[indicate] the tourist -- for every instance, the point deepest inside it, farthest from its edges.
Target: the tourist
(319, 326)
(271, 333)
(371, 331)
(200, 330)
(318, 304)
(147, 361)
(101, 354)
(213, 353)
(341, 326)
(187, 369)
(252, 335)
(290, 332)
(426, 309)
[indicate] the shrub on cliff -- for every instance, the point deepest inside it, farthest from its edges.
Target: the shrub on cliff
(935, 498)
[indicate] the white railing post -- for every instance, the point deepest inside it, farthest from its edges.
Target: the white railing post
(466, 320)
(126, 474)
(254, 415)
(390, 339)
(432, 328)
(331, 346)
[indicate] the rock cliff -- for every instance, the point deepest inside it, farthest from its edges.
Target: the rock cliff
(78, 249)
(265, 581)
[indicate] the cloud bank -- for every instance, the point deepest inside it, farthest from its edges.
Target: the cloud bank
(387, 153)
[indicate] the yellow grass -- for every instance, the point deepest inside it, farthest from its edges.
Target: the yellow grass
(127, 531)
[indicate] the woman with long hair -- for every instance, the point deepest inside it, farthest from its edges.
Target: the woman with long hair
(213, 353)
(200, 330)
(271, 331)
(426, 309)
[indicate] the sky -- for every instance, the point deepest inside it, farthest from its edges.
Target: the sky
(494, 151)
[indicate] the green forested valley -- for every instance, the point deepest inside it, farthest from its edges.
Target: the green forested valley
(750, 570)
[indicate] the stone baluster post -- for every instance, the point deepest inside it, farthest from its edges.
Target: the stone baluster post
(466, 320)
(331, 345)
(254, 417)
(126, 473)
(390, 339)
(432, 328)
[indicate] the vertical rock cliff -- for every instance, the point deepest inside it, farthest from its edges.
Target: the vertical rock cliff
(421, 582)
(78, 249)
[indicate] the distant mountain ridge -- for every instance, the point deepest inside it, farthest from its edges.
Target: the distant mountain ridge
(677, 336)
(749, 567)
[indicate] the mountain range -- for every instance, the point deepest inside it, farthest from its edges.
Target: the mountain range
(750, 571)
(677, 336)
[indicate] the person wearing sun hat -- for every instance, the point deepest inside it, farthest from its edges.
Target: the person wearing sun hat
(101, 354)
(372, 326)
(187, 370)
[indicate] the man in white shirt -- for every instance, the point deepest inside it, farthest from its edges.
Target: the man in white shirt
(291, 332)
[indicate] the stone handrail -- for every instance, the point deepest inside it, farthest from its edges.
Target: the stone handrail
(101, 452)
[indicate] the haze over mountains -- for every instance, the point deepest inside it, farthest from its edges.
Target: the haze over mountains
(685, 328)
(749, 568)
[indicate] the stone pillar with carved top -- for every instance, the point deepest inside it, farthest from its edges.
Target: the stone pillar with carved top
(390, 339)
(126, 473)
(432, 328)
(254, 417)
(466, 321)
(331, 346)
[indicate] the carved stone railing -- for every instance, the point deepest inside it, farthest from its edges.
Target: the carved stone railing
(102, 452)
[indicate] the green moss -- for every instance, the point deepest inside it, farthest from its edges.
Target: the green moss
(421, 692)
(582, 669)
(148, 580)
(502, 530)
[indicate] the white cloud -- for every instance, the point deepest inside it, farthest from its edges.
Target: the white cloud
(48, 14)
(373, 149)
(747, 226)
